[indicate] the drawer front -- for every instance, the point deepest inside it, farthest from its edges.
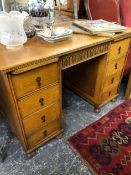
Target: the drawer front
(118, 49)
(39, 100)
(42, 118)
(27, 82)
(44, 133)
(112, 80)
(115, 66)
(109, 93)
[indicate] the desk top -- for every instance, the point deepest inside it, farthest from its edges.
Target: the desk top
(36, 49)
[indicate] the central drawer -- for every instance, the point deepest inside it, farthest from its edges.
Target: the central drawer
(29, 81)
(44, 133)
(37, 101)
(41, 118)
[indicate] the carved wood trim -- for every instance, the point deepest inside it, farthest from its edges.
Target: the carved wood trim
(83, 55)
(31, 65)
(65, 61)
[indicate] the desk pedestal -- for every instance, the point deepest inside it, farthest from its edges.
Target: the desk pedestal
(98, 80)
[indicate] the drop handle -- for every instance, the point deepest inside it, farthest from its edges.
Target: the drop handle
(110, 93)
(119, 50)
(45, 133)
(116, 66)
(43, 118)
(112, 81)
(41, 101)
(38, 81)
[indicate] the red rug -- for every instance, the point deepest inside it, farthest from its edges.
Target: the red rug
(105, 145)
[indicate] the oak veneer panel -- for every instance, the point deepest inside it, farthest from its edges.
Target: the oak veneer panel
(111, 80)
(44, 133)
(9, 109)
(115, 66)
(29, 81)
(84, 71)
(32, 103)
(118, 49)
(87, 79)
(42, 118)
(111, 92)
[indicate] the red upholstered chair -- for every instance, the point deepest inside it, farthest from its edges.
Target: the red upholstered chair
(109, 10)
(103, 9)
(125, 9)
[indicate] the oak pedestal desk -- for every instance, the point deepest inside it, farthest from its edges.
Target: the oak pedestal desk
(31, 81)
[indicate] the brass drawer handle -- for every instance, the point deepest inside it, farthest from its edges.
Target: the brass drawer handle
(38, 81)
(116, 66)
(110, 93)
(112, 81)
(119, 50)
(43, 118)
(41, 101)
(45, 133)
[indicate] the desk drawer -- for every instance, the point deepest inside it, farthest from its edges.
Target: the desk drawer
(26, 82)
(42, 118)
(115, 66)
(44, 133)
(109, 93)
(112, 80)
(118, 49)
(39, 100)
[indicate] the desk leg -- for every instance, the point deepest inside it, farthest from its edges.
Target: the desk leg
(128, 89)
(59, 136)
(114, 100)
(97, 109)
(31, 154)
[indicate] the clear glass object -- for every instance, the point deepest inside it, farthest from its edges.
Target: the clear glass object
(12, 33)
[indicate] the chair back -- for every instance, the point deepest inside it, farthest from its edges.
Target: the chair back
(103, 9)
(125, 6)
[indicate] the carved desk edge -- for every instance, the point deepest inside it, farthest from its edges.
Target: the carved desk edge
(68, 58)
(98, 49)
(121, 37)
(83, 55)
(32, 65)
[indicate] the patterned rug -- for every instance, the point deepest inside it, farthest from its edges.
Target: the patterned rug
(105, 145)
